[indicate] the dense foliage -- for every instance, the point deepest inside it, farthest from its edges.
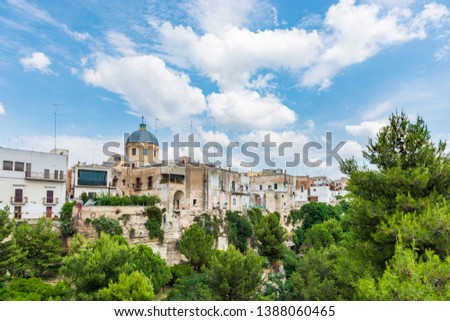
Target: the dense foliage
(239, 230)
(133, 200)
(100, 264)
(197, 246)
(154, 221)
(107, 225)
(235, 276)
(388, 240)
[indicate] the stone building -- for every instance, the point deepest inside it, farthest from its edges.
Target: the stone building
(187, 187)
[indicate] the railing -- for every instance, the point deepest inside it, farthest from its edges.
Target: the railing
(19, 200)
(50, 201)
(44, 176)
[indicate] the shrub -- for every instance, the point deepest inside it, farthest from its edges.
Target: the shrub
(154, 221)
(107, 225)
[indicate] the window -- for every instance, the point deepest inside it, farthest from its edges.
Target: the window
(19, 167)
(18, 195)
(133, 151)
(234, 201)
(221, 186)
(55, 174)
(260, 187)
(302, 189)
(28, 170)
(92, 178)
(49, 198)
(194, 202)
(154, 153)
(46, 173)
(145, 151)
(233, 186)
(7, 165)
(61, 175)
(275, 186)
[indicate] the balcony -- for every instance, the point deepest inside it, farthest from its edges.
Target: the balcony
(42, 176)
(19, 200)
(50, 201)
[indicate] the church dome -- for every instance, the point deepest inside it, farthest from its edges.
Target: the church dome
(142, 136)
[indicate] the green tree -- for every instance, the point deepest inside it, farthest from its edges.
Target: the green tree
(235, 276)
(33, 289)
(314, 213)
(133, 287)
(270, 237)
(239, 230)
(191, 287)
(66, 225)
(43, 248)
(97, 265)
(11, 255)
(409, 277)
(208, 224)
(324, 234)
(151, 265)
(197, 246)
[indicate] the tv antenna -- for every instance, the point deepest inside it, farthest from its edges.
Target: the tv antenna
(56, 108)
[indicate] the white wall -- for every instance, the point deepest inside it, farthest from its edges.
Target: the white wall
(34, 188)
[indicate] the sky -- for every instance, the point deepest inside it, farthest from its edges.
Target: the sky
(226, 71)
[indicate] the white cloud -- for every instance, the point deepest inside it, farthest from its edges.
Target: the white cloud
(359, 32)
(378, 110)
(350, 34)
(246, 109)
(37, 61)
(310, 124)
(2, 109)
(121, 43)
(442, 52)
(351, 149)
(215, 16)
(32, 12)
(232, 57)
(391, 3)
(149, 86)
(81, 148)
(367, 129)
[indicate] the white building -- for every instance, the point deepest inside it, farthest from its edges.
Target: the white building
(33, 184)
(320, 190)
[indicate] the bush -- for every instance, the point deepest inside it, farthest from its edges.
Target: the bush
(133, 200)
(107, 225)
(154, 221)
(67, 229)
(33, 289)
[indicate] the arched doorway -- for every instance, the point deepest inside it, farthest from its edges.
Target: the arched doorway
(178, 200)
(257, 200)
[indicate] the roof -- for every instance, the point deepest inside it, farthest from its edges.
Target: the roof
(142, 136)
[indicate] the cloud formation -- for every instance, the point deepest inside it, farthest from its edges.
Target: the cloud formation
(37, 61)
(149, 86)
(366, 129)
(350, 33)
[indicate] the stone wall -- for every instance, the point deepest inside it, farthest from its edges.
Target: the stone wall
(173, 226)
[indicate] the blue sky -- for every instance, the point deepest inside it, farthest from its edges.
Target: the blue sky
(294, 69)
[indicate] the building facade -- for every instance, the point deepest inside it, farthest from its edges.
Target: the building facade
(33, 184)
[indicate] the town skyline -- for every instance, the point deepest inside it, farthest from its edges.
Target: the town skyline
(231, 72)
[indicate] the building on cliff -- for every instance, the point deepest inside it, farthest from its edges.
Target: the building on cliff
(185, 185)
